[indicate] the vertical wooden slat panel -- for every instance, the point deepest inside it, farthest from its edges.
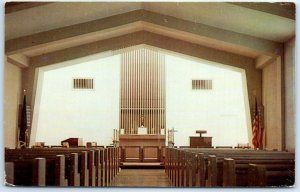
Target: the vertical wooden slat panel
(149, 93)
(163, 89)
(124, 64)
(126, 80)
(123, 79)
(152, 91)
(131, 85)
(121, 92)
(142, 90)
(159, 98)
(157, 93)
(160, 94)
(147, 89)
(139, 89)
(130, 88)
(129, 95)
(164, 96)
(135, 90)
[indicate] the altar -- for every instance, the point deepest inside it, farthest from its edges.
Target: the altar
(141, 147)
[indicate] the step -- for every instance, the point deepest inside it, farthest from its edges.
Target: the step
(142, 165)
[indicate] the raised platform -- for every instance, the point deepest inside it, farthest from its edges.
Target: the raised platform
(142, 165)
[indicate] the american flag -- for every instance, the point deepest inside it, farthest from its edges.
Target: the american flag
(255, 128)
(23, 125)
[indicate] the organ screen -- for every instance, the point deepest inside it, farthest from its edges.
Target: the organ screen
(142, 91)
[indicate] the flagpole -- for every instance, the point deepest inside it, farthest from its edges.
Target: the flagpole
(255, 127)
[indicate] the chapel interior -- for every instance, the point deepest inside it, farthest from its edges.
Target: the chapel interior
(149, 94)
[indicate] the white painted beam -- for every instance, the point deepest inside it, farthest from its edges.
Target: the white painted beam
(263, 60)
(19, 60)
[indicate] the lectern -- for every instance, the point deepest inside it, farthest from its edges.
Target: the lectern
(198, 142)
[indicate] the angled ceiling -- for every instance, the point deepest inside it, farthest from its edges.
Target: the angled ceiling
(223, 26)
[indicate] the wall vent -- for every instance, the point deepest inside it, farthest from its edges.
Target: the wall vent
(83, 83)
(202, 84)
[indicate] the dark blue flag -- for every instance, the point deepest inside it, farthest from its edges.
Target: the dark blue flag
(23, 125)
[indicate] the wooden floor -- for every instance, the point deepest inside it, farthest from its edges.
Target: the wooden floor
(141, 178)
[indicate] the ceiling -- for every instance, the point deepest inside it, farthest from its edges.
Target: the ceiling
(267, 21)
(221, 15)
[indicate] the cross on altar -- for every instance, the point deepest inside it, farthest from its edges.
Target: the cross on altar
(171, 137)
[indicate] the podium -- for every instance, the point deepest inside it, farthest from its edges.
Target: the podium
(73, 142)
(200, 142)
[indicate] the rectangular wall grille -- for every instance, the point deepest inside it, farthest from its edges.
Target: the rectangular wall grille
(202, 84)
(83, 83)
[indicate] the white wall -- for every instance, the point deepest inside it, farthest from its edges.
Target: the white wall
(12, 91)
(220, 111)
(93, 114)
(88, 114)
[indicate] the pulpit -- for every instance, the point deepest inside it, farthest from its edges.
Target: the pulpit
(73, 142)
(200, 142)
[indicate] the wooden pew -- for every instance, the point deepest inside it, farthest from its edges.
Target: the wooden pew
(55, 168)
(27, 172)
(94, 169)
(99, 161)
(240, 169)
(64, 168)
(260, 175)
(78, 159)
(210, 171)
(247, 155)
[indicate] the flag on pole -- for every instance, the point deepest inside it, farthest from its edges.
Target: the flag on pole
(23, 125)
(255, 128)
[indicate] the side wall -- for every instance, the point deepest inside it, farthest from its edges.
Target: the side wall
(272, 105)
(289, 73)
(12, 91)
